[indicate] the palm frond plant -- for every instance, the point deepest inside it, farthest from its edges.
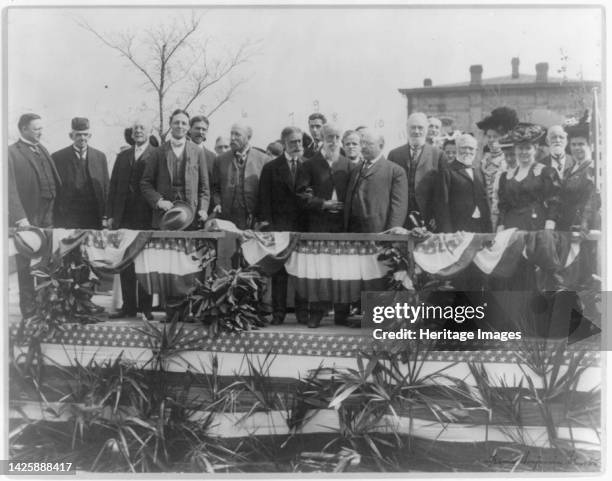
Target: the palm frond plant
(64, 288)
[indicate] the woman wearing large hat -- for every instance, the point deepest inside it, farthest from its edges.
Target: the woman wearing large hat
(493, 162)
(529, 193)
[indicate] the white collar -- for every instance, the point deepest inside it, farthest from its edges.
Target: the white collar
(28, 142)
(374, 160)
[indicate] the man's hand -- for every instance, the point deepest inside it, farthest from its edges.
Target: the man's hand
(500, 228)
(107, 223)
(23, 222)
(261, 225)
(333, 205)
(217, 209)
(203, 215)
(550, 225)
(164, 204)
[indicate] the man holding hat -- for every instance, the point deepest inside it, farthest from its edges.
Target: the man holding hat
(81, 202)
(33, 183)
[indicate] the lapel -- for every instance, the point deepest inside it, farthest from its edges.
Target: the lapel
(30, 157)
(91, 164)
(568, 172)
(458, 167)
(373, 169)
(424, 162)
(285, 173)
(168, 155)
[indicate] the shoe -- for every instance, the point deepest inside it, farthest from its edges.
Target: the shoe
(341, 321)
(302, 317)
(313, 323)
(148, 316)
(121, 314)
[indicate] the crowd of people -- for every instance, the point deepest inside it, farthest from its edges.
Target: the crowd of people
(323, 180)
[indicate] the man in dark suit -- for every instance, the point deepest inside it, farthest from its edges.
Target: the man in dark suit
(460, 196)
(33, 183)
(197, 134)
(81, 202)
(128, 209)
(556, 138)
(236, 179)
(176, 171)
(314, 141)
(322, 183)
(279, 210)
(421, 162)
(377, 194)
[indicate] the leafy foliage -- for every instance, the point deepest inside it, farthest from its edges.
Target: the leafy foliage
(228, 302)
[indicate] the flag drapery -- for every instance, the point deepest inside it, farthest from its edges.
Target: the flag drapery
(170, 267)
(336, 271)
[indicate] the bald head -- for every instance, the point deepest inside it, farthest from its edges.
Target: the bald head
(417, 128)
(372, 144)
(240, 135)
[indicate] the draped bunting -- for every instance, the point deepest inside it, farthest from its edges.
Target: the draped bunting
(170, 267)
(336, 271)
(497, 255)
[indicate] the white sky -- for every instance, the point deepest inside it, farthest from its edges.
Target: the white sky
(351, 60)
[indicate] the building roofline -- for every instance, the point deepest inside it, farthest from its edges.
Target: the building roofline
(476, 88)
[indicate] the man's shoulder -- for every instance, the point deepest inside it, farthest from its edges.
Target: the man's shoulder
(62, 153)
(400, 151)
(258, 155)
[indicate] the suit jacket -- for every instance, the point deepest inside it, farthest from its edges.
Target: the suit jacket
(456, 198)
(225, 179)
(381, 196)
(278, 203)
(126, 172)
(569, 163)
(97, 168)
(24, 178)
(156, 182)
(430, 161)
(578, 197)
(316, 178)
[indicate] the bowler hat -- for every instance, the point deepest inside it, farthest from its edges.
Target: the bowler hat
(80, 123)
(30, 242)
(179, 217)
(526, 132)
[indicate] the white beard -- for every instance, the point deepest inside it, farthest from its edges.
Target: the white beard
(467, 160)
(556, 150)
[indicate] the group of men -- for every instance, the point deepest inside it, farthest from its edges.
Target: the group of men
(328, 181)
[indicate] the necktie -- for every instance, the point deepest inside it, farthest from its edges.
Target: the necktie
(414, 153)
(293, 168)
(35, 149)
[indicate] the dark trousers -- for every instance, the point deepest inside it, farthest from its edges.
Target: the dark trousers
(27, 294)
(279, 299)
(135, 296)
(341, 311)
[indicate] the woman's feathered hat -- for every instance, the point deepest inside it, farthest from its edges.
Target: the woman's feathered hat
(502, 119)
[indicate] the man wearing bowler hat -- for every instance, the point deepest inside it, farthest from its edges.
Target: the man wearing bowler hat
(81, 202)
(33, 183)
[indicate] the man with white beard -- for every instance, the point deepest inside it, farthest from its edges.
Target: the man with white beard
(556, 138)
(321, 185)
(461, 199)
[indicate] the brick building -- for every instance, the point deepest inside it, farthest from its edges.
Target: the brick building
(536, 97)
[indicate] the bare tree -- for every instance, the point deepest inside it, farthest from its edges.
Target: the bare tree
(175, 63)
